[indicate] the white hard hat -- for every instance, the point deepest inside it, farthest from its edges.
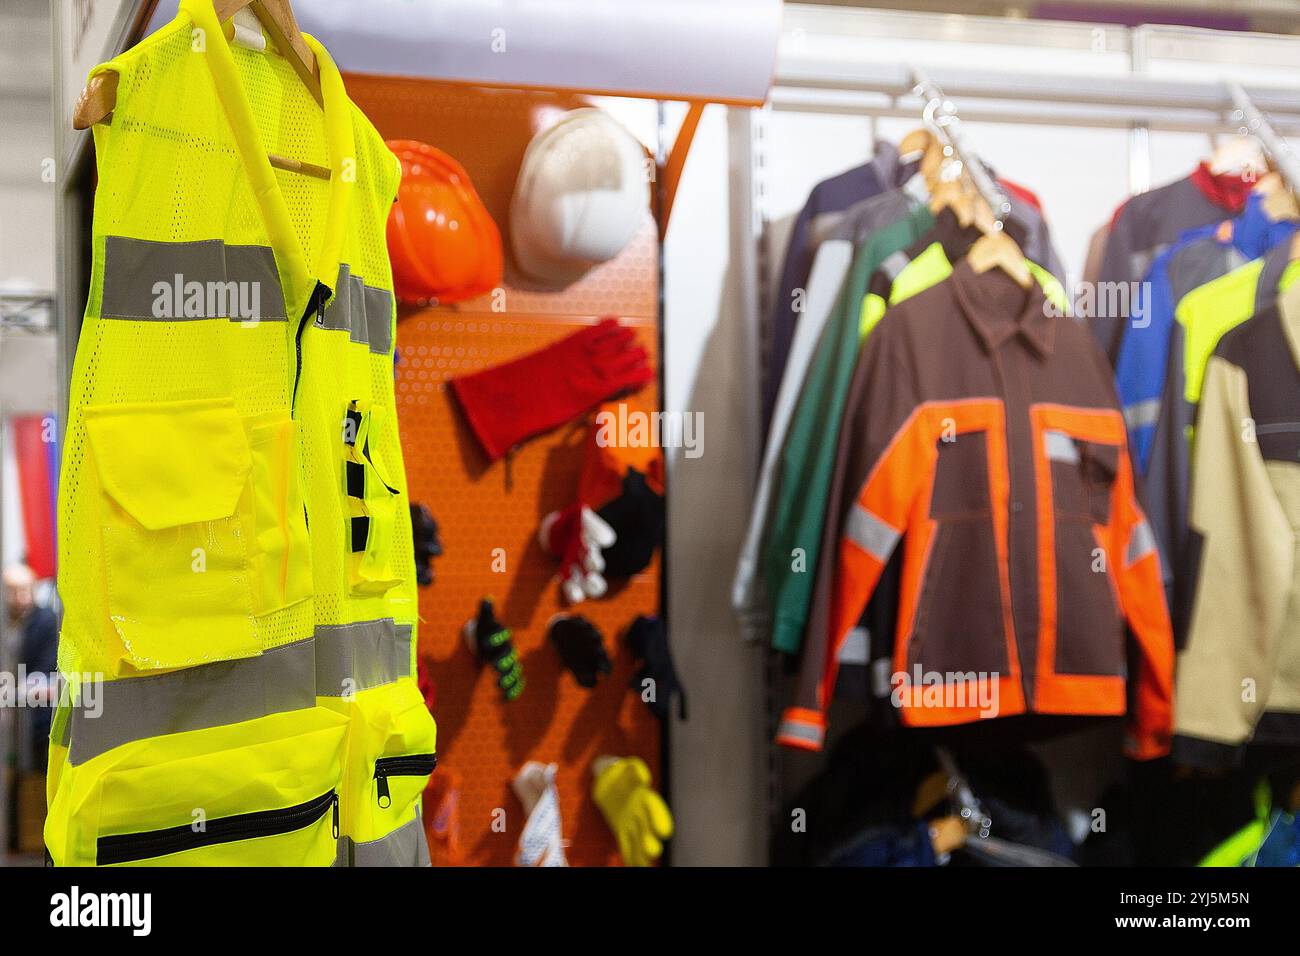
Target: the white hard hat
(582, 194)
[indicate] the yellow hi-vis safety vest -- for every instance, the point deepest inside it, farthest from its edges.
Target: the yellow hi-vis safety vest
(238, 639)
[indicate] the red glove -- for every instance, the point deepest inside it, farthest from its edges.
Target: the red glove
(507, 403)
(575, 536)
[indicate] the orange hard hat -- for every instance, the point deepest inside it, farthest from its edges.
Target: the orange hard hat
(441, 240)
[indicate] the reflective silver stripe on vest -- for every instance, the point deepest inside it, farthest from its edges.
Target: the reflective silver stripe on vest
(187, 281)
(1141, 542)
(61, 723)
(355, 657)
(1058, 446)
(364, 311)
(379, 317)
(422, 848)
(405, 846)
(870, 533)
(1139, 414)
(111, 713)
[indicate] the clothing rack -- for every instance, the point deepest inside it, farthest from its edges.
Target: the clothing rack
(940, 115)
(826, 67)
(1256, 124)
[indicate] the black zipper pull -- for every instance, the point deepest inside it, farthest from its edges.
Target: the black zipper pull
(381, 782)
(336, 816)
(316, 306)
(322, 293)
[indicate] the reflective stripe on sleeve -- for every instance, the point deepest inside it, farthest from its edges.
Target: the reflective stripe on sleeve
(802, 728)
(1141, 542)
(1143, 413)
(870, 533)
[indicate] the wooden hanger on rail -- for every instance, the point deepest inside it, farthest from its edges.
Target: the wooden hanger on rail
(1238, 156)
(99, 98)
(1279, 203)
(994, 249)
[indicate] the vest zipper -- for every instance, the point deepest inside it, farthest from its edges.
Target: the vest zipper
(129, 847)
(411, 765)
(315, 310)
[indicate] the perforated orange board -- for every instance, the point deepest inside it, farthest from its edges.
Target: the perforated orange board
(481, 507)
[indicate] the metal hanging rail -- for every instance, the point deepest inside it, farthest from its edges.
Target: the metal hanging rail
(1256, 124)
(941, 116)
(1119, 101)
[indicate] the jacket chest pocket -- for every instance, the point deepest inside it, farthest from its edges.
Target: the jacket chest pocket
(201, 529)
(1083, 474)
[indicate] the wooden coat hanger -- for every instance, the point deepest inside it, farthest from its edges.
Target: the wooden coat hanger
(915, 145)
(952, 194)
(995, 249)
(1238, 155)
(99, 98)
(1279, 202)
(1280, 205)
(962, 194)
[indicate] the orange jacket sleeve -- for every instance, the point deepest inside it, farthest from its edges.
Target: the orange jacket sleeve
(875, 481)
(1142, 598)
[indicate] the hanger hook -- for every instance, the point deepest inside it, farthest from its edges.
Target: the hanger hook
(928, 113)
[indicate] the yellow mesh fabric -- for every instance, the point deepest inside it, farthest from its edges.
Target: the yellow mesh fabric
(185, 428)
(170, 172)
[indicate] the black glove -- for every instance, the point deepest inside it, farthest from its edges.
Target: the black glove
(424, 536)
(637, 517)
(581, 647)
(490, 641)
(648, 640)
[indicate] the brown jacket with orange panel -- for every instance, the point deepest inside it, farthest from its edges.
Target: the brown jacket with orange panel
(984, 434)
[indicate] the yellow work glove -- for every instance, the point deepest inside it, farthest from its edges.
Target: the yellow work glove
(637, 814)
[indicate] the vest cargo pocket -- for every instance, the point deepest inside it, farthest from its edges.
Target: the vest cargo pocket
(281, 550)
(262, 792)
(402, 765)
(392, 752)
(372, 504)
(175, 562)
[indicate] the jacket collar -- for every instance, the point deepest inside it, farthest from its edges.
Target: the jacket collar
(998, 309)
(1253, 233)
(1226, 190)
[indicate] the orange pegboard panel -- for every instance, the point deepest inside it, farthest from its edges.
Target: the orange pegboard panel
(486, 511)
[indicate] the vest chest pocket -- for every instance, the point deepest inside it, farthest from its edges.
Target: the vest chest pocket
(280, 549)
(201, 527)
(372, 501)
